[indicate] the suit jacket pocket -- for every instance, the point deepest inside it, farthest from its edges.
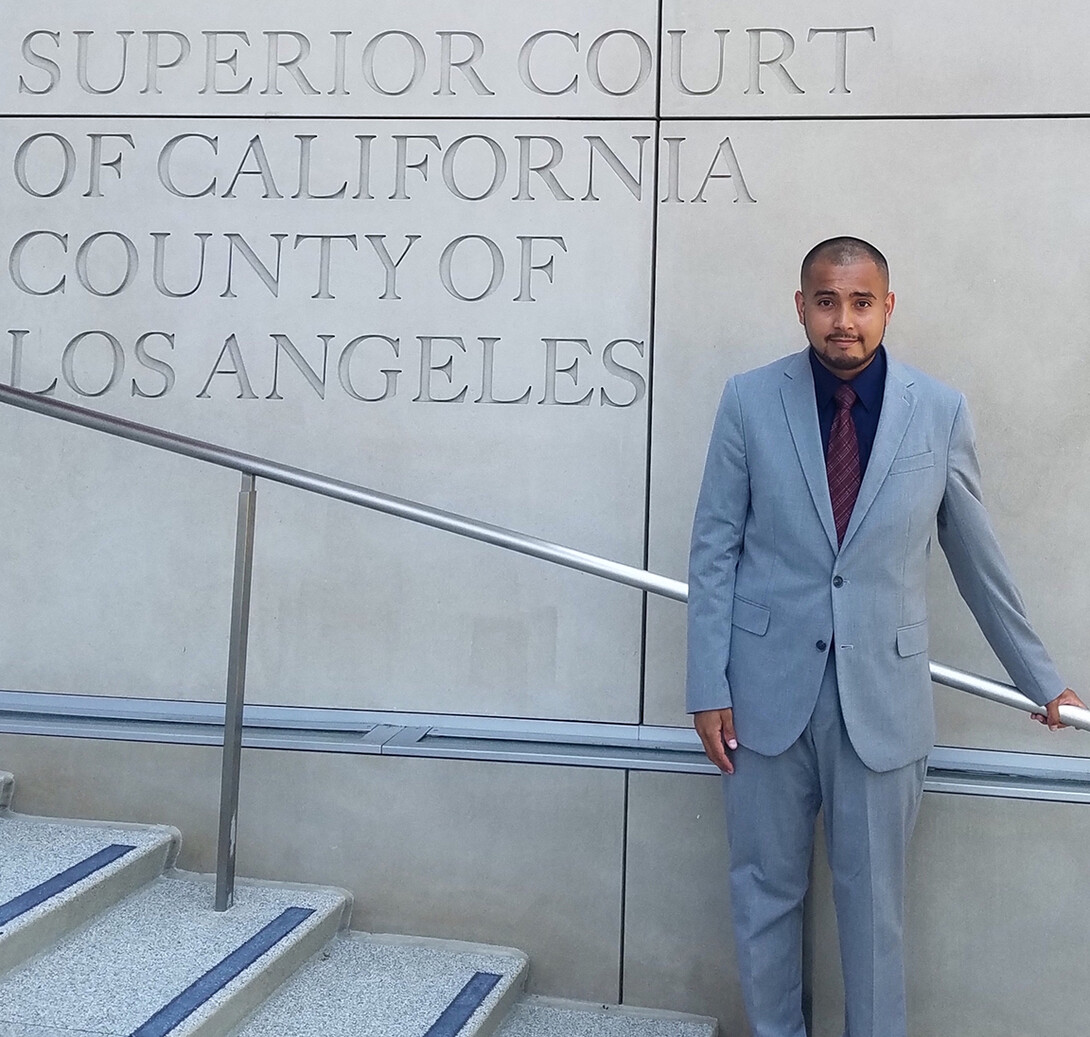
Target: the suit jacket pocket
(748, 615)
(912, 462)
(912, 640)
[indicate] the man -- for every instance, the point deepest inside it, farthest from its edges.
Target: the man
(827, 474)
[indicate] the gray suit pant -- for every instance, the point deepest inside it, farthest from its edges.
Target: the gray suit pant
(772, 805)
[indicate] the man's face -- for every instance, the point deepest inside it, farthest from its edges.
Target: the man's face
(845, 310)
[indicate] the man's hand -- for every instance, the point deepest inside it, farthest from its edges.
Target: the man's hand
(1052, 717)
(716, 730)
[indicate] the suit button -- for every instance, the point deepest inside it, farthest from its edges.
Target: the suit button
(838, 581)
(821, 646)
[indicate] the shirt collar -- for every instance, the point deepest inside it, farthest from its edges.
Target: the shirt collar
(869, 384)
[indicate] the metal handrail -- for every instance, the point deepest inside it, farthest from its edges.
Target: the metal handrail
(423, 514)
(252, 466)
(352, 493)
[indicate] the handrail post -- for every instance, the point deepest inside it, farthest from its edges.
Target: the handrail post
(236, 693)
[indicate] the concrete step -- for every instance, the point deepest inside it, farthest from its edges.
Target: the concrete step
(56, 874)
(95, 939)
(163, 961)
(394, 986)
(551, 1017)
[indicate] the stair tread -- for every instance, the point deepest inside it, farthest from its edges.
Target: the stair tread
(550, 1017)
(384, 986)
(34, 850)
(113, 974)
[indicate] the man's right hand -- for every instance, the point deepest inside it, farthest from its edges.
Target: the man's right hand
(716, 730)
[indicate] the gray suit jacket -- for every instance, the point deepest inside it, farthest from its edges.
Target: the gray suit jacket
(769, 591)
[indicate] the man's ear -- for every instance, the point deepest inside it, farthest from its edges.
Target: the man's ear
(799, 301)
(891, 301)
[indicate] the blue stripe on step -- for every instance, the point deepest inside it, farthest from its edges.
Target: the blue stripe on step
(469, 999)
(217, 977)
(61, 881)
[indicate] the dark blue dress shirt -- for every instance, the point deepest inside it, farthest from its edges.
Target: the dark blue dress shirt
(869, 385)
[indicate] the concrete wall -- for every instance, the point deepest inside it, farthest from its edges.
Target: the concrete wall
(502, 266)
(502, 261)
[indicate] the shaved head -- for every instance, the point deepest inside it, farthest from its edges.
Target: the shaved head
(844, 303)
(844, 251)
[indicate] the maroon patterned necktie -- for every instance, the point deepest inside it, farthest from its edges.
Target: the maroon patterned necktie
(842, 460)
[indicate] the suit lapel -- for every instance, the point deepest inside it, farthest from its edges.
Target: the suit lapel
(800, 406)
(898, 405)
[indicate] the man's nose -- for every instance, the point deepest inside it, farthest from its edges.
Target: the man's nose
(844, 318)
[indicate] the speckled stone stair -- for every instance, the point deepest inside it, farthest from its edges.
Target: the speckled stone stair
(164, 962)
(394, 986)
(550, 1017)
(99, 937)
(57, 874)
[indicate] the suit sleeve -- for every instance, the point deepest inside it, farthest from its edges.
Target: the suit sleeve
(982, 575)
(718, 529)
